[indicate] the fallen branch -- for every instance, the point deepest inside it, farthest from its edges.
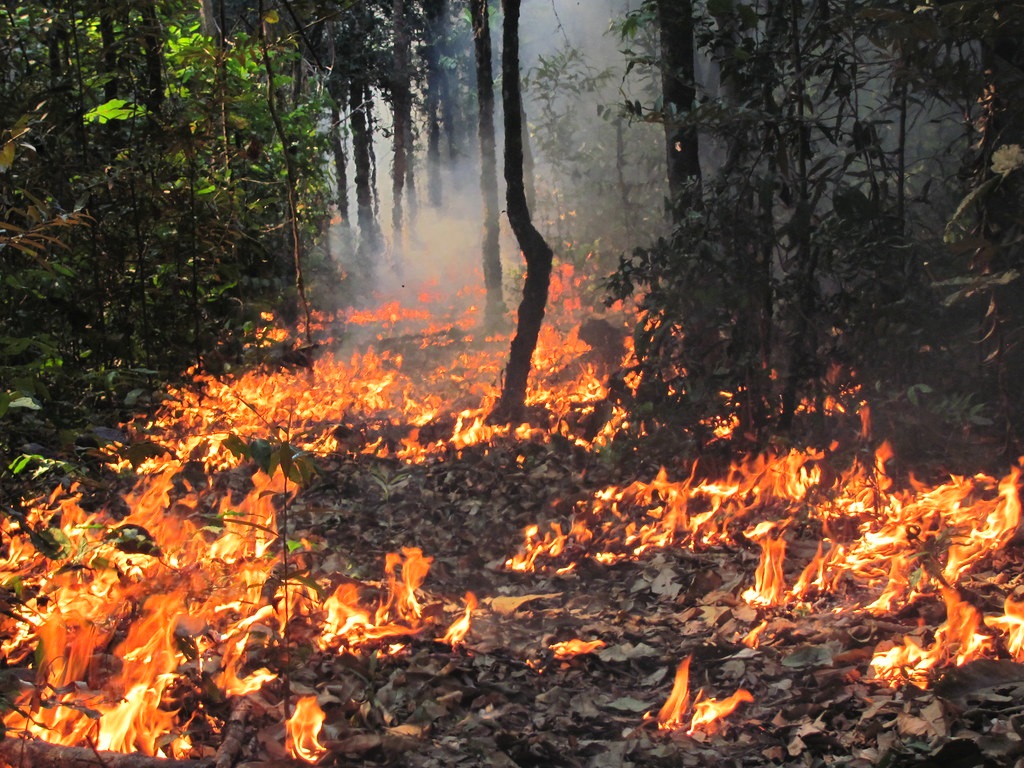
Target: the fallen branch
(234, 732)
(27, 753)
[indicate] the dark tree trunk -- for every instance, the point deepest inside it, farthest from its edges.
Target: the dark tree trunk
(536, 251)
(361, 138)
(109, 42)
(491, 249)
(402, 103)
(292, 175)
(153, 96)
(675, 22)
(435, 11)
(340, 164)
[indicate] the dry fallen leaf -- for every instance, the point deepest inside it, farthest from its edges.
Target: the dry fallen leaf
(507, 605)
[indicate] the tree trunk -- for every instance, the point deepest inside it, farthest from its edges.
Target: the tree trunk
(109, 43)
(434, 11)
(153, 96)
(675, 23)
(361, 138)
(401, 102)
(340, 164)
(292, 176)
(491, 249)
(536, 251)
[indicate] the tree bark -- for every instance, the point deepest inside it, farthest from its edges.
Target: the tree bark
(491, 247)
(361, 138)
(675, 23)
(535, 249)
(401, 102)
(153, 96)
(293, 181)
(434, 11)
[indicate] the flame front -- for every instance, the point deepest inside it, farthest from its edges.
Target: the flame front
(181, 563)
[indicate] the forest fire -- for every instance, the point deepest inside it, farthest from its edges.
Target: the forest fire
(194, 581)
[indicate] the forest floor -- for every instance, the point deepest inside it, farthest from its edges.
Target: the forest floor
(504, 699)
(508, 696)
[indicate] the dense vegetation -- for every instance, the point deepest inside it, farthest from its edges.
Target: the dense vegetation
(843, 214)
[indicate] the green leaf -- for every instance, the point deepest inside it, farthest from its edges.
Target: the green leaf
(115, 109)
(262, 453)
(26, 402)
(237, 446)
(51, 543)
(133, 540)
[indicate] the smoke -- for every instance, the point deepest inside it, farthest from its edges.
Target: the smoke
(573, 150)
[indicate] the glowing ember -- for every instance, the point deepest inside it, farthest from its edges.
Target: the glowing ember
(753, 638)
(303, 730)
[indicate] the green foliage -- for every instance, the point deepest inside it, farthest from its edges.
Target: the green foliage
(271, 455)
(810, 258)
(142, 200)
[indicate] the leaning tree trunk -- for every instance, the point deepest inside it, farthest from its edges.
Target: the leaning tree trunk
(495, 307)
(536, 251)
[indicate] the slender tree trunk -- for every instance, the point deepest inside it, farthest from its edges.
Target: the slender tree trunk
(369, 239)
(153, 96)
(401, 101)
(340, 164)
(434, 10)
(491, 248)
(536, 251)
(109, 42)
(292, 178)
(675, 22)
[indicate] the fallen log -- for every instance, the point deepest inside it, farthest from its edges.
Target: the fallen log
(234, 734)
(29, 753)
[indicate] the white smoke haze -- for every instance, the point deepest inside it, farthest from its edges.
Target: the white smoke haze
(442, 245)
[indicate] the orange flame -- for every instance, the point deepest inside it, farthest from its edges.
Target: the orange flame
(707, 712)
(769, 581)
(303, 730)
(671, 713)
(457, 631)
(567, 649)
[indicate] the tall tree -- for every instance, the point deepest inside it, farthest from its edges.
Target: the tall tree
(491, 247)
(675, 27)
(402, 105)
(436, 12)
(536, 251)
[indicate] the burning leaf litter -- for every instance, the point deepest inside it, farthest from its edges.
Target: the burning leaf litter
(814, 597)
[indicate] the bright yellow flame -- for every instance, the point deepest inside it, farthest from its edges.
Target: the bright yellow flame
(303, 730)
